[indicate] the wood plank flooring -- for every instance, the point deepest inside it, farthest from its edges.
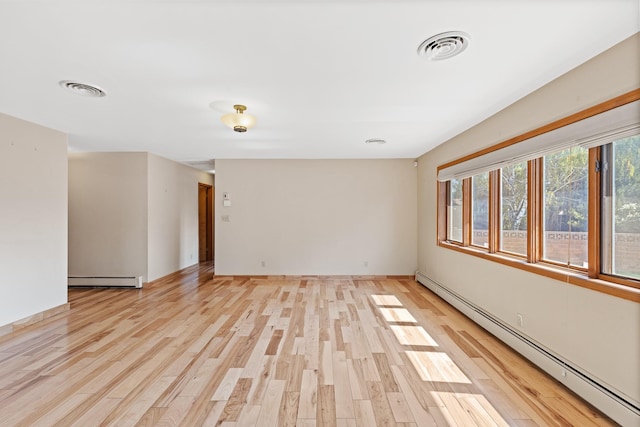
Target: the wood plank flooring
(194, 350)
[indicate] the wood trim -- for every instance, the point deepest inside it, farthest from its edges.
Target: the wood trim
(553, 272)
(494, 211)
(535, 212)
(208, 214)
(618, 101)
(466, 211)
(619, 280)
(567, 266)
(607, 287)
(441, 214)
(211, 223)
(594, 223)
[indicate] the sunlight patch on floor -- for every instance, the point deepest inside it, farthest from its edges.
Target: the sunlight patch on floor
(436, 366)
(457, 408)
(397, 315)
(386, 300)
(468, 409)
(412, 335)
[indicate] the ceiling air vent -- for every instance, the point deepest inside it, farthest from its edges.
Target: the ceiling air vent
(375, 141)
(83, 89)
(444, 45)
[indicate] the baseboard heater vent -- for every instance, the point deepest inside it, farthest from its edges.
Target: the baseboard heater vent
(615, 405)
(105, 282)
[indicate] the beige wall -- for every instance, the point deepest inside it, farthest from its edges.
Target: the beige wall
(132, 214)
(108, 214)
(597, 332)
(173, 215)
(33, 213)
(316, 217)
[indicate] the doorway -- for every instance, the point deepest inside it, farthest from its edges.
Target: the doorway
(205, 222)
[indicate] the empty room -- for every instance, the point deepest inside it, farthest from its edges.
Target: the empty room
(320, 213)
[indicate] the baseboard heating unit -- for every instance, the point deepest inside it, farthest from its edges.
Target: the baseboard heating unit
(613, 403)
(105, 282)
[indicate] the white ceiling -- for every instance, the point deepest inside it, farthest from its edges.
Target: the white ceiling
(320, 76)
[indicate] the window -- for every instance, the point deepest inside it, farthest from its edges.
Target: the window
(566, 206)
(513, 209)
(480, 210)
(621, 207)
(454, 211)
(562, 201)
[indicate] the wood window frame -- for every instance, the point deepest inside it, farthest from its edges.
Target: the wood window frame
(495, 220)
(590, 278)
(595, 222)
(535, 210)
(466, 212)
(494, 211)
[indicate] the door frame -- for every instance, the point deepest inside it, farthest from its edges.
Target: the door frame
(208, 222)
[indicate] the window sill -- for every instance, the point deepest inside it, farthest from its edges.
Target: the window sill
(558, 273)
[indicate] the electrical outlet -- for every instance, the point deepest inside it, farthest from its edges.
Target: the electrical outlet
(520, 320)
(263, 263)
(366, 263)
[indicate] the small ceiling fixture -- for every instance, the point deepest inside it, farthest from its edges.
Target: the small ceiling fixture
(375, 141)
(239, 121)
(83, 89)
(444, 45)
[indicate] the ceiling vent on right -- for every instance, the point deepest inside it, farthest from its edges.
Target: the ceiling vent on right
(444, 45)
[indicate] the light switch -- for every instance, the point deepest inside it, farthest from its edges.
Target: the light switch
(226, 203)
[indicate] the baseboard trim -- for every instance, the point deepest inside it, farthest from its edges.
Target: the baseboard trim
(613, 403)
(311, 277)
(105, 282)
(34, 318)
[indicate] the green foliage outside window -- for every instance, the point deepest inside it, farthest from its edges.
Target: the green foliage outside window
(566, 202)
(514, 197)
(627, 185)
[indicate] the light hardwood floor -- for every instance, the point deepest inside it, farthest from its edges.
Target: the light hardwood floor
(310, 351)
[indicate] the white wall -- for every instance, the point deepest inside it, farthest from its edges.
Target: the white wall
(597, 332)
(173, 215)
(33, 219)
(316, 217)
(108, 214)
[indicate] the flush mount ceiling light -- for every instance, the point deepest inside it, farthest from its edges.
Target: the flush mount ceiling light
(239, 121)
(444, 45)
(83, 89)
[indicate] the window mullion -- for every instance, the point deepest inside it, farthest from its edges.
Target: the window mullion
(534, 210)
(443, 193)
(494, 211)
(466, 211)
(594, 225)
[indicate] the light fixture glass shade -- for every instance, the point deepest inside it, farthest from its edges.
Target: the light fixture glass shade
(239, 121)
